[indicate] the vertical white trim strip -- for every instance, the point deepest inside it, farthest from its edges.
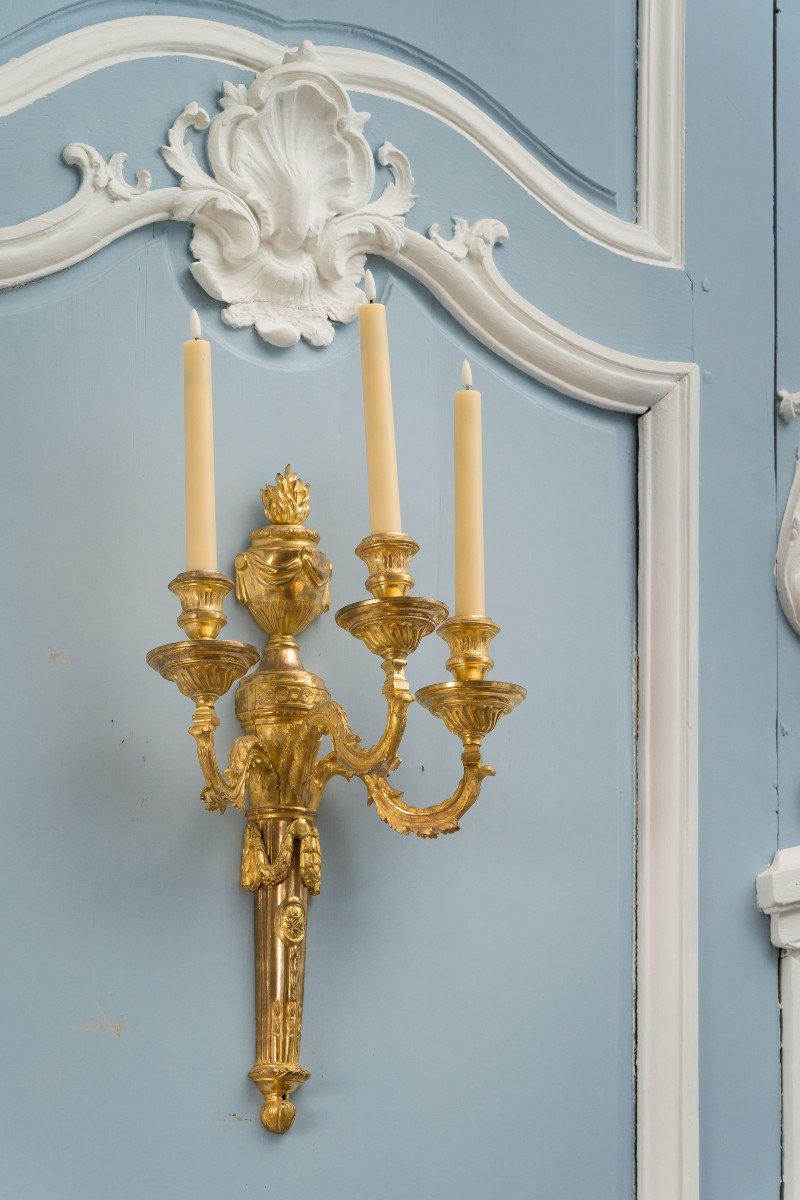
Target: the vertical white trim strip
(778, 895)
(660, 154)
(790, 1067)
(667, 1009)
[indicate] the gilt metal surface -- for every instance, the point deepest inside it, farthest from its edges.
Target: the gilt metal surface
(277, 770)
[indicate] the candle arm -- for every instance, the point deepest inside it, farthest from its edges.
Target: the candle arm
(348, 757)
(430, 821)
(374, 764)
(228, 786)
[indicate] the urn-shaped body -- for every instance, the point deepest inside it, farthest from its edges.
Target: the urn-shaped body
(284, 579)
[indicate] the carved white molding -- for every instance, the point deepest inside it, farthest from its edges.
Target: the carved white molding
(283, 225)
(667, 1106)
(463, 276)
(778, 895)
(655, 236)
(247, 208)
(789, 405)
(787, 559)
(103, 209)
(660, 185)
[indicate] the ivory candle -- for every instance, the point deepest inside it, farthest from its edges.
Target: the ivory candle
(201, 522)
(469, 584)
(384, 492)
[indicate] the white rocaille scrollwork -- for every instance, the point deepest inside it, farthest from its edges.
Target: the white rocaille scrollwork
(285, 217)
(283, 225)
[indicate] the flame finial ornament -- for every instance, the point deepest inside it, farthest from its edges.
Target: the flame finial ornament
(286, 501)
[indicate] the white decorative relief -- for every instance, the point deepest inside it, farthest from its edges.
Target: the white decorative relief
(107, 176)
(787, 559)
(282, 224)
(656, 235)
(462, 274)
(478, 239)
(104, 207)
(778, 895)
(789, 405)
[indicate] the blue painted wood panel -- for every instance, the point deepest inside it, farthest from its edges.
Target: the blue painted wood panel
(469, 1002)
(729, 252)
(426, 961)
(432, 965)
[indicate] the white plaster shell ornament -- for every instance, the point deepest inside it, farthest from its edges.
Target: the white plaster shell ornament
(283, 225)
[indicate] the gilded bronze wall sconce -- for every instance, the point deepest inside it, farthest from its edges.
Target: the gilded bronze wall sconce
(276, 767)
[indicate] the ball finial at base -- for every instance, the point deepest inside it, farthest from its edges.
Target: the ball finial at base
(277, 1114)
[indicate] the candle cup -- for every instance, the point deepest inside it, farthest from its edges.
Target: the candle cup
(202, 667)
(468, 639)
(470, 704)
(392, 624)
(387, 556)
(201, 594)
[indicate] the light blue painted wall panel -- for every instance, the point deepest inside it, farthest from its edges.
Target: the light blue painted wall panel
(427, 960)
(124, 893)
(729, 245)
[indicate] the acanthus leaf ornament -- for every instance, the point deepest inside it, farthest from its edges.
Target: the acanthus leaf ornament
(106, 176)
(283, 225)
(233, 219)
(477, 240)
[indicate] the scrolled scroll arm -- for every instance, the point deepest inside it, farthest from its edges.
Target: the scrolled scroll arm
(228, 786)
(347, 756)
(436, 818)
(257, 869)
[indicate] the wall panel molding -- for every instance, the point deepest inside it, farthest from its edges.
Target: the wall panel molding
(459, 270)
(778, 895)
(656, 235)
